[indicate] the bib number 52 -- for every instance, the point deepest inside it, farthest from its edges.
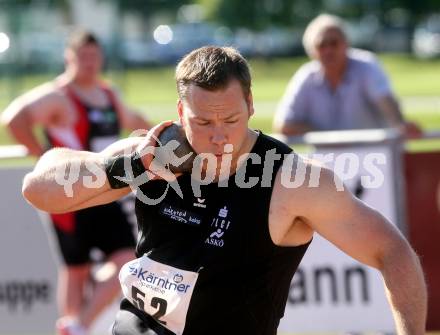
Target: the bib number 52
(158, 303)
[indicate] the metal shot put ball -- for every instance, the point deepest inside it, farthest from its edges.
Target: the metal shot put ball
(176, 132)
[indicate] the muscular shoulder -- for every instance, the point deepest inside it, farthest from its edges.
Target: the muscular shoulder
(301, 172)
(306, 194)
(45, 99)
(46, 92)
(303, 185)
(292, 194)
(39, 102)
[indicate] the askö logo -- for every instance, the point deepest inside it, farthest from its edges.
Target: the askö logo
(221, 225)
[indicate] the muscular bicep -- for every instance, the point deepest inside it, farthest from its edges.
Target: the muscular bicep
(101, 199)
(350, 224)
(125, 146)
(65, 180)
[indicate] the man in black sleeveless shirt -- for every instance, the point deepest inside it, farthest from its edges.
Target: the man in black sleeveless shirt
(218, 245)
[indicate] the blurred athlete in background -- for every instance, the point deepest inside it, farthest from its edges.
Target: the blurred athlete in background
(78, 110)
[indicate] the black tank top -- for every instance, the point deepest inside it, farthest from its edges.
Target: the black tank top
(244, 277)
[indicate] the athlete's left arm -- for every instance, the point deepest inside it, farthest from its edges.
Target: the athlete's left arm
(364, 234)
(130, 118)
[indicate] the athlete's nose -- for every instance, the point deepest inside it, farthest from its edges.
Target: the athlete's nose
(218, 136)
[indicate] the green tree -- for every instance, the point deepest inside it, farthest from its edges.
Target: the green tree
(149, 8)
(258, 14)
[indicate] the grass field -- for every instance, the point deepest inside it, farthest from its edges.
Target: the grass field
(152, 90)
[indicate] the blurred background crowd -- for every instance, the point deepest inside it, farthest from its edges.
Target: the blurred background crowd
(145, 32)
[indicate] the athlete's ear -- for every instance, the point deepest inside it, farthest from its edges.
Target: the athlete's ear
(250, 104)
(180, 112)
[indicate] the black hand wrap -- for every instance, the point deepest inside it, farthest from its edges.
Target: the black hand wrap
(115, 167)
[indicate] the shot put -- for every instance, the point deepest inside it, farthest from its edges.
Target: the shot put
(176, 132)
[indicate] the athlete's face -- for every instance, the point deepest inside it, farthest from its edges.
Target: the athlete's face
(331, 48)
(212, 119)
(86, 61)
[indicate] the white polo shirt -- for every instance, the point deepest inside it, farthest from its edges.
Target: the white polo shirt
(352, 105)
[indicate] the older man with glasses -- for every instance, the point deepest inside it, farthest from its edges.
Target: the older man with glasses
(341, 88)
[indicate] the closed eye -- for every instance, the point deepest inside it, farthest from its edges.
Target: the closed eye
(231, 121)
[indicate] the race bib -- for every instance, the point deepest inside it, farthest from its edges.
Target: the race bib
(160, 290)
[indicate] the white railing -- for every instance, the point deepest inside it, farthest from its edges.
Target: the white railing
(350, 137)
(13, 151)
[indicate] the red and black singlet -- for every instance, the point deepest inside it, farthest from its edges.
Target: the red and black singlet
(95, 128)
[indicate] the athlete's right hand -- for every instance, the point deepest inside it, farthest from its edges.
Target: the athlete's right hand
(146, 150)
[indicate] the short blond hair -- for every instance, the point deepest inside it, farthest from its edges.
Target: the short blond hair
(316, 27)
(212, 68)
